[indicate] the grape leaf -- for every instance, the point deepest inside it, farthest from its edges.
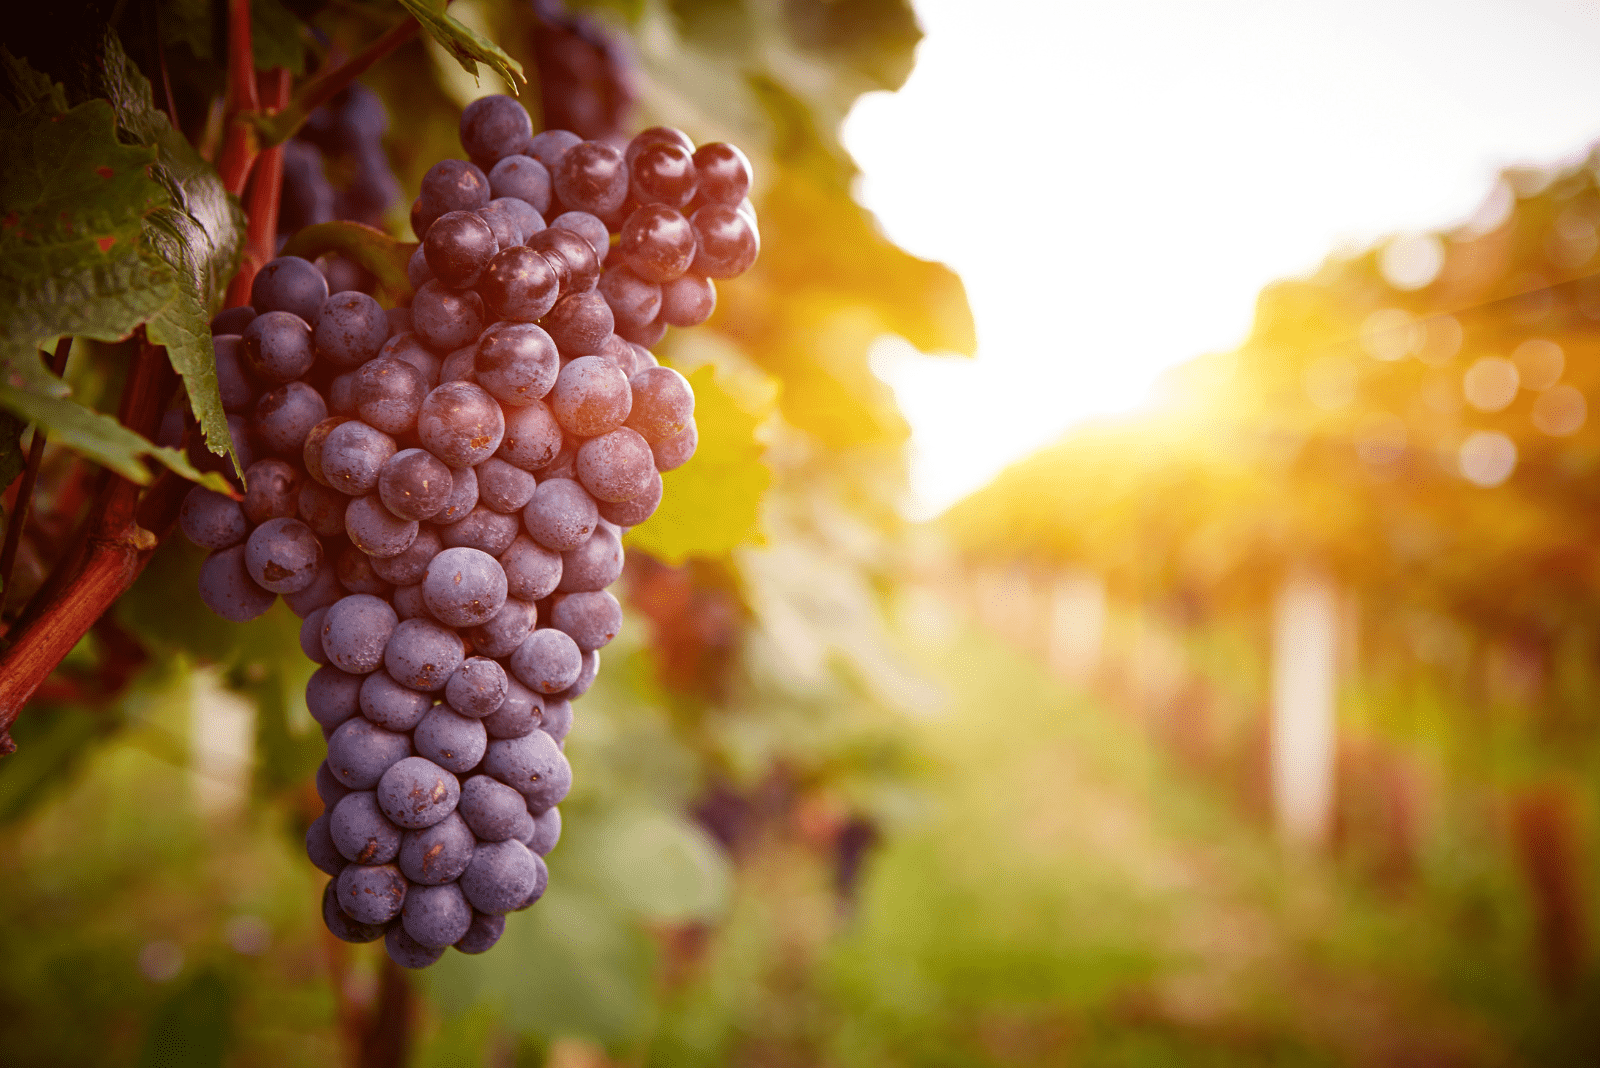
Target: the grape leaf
(200, 236)
(101, 438)
(712, 504)
(98, 237)
(468, 46)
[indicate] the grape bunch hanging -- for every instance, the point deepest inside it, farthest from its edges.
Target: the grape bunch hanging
(442, 493)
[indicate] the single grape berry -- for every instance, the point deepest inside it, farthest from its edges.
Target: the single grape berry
(375, 530)
(415, 792)
(342, 927)
(360, 751)
(389, 394)
(211, 520)
(390, 705)
(289, 284)
(414, 484)
(282, 555)
(422, 655)
(458, 247)
(634, 302)
(561, 515)
(547, 661)
(656, 135)
(464, 587)
(520, 284)
(353, 453)
(355, 631)
(532, 571)
(438, 854)
(271, 491)
(445, 318)
(517, 363)
(663, 173)
(532, 438)
(277, 347)
(477, 687)
(663, 403)
(350, 329)
(590, 619)
(227, 588)
(451, 740)
(436, 916)
(502, 487)
(688, 300)
(588, 227)
(672, 453)
(594, 565)
(504, 631)
(658, 243)
(724, 173)
(727, 241)
(616, 466)
(371, 894)
(548, 146)
(494, 127)
(592, 177)
(591, 397)
(580, 323)
(286, 415)
(570, 255)
(522, 177)
(461, 424)
(450, 185)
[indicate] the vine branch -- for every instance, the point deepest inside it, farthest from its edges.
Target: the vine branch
(30, 476)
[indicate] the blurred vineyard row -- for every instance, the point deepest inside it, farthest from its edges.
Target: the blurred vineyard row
(1404, 449)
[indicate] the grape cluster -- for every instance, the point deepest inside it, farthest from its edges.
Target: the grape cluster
(344, 136)
(440, 493)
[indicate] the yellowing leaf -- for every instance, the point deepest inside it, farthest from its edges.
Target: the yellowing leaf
(712, 504)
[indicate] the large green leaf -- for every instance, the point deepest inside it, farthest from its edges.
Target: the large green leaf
(712, 504)
(467, 45)
(98, 237)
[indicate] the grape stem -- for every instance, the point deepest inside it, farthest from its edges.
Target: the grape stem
(30, 476)
(276, 129)
(122, 533)
(239, 143)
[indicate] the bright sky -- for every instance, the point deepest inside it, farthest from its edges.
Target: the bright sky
(1115, 182)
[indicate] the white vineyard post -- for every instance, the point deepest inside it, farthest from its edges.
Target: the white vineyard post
(1304, 680)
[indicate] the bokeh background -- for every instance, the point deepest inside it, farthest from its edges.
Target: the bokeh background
(1256, 724)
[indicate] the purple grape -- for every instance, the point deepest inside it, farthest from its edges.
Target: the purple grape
(320, 509)
(390, 705)
(342, 926)
(727, 241)
(502, 876)
(516, 363)
(505, 631)
(656, 135)
(414, 484)
(723, 172)
(504, 222)
(491, 808)
(389, 393)
(547, 662)
(407, 951)
(587, 227)
(617, 466)
(524, 178)
(438, 854)
(458, 247)
(282, 555)
(356, 575)
(360, 752)
(407, 568)
(355, 631)
(421, 654)
(546, 832)
(592, 177)
(549, 146)
(644, 336)
(532, 438)
(594, 565)
(580, 323)
(520, 713)
(286, 415)
(459, 365)
(520, 284)
(408, 603)
(277, 347)
(232, 320)
(663, 403)
(672, 453)
(557, 720)
(444, 318)
(415, 793)
(463, 496)
(350, 329)
(633, 301)
(323, 591)
(492, 128)
(451, 740)
(483, 934)
(371, 894)
(330, 789)
(418, 273)
(591, 397)
(451, 185)
(560, 515)
(688, 300)
(570, 255)
(321, 850)
(311, 637)
(290, 285)
(658, 243)
(533, 766)
(352, 455)
(361, 832)
(211, 520)
(591, 619)
(483, 529)
(376, 531)
(477, 687)
(436, 916)
(464, 587)
(409, 348)
(635, 510)
(333, 696)
(532, 571)
(461, 424)
(238, 392)
(311, 453)
(502, 487)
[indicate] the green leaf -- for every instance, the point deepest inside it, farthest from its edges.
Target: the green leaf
(277, 36)
(101, 438)
(199, 235)
(712, 504)
(467, 45)
(373, 249)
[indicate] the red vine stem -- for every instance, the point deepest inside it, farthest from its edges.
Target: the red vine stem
(239, 140)
(30, 476)
(117, 549)
(327, 84)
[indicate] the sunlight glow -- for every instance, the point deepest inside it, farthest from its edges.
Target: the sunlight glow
(1115, 182)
